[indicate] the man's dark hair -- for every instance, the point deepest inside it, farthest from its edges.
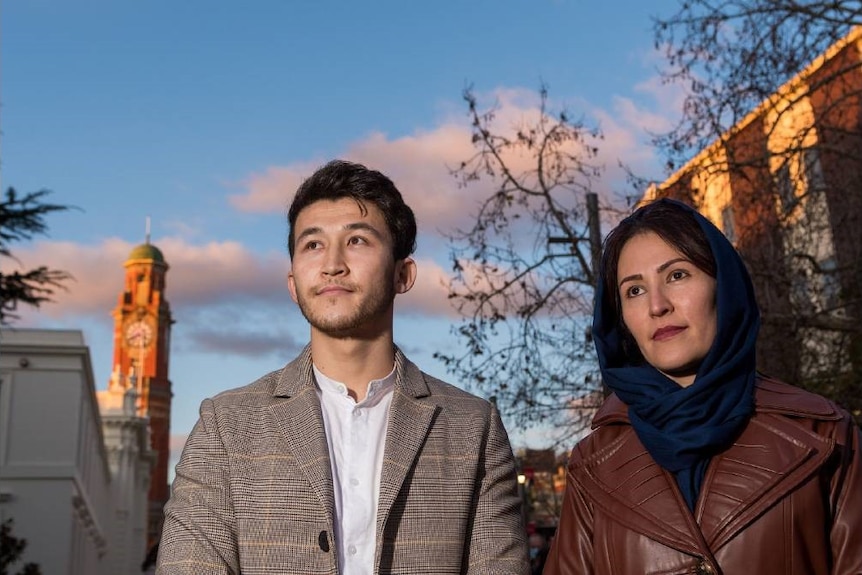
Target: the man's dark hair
(341, 179)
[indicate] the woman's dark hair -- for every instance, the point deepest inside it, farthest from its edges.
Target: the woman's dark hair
(673, 223)
(340, 179)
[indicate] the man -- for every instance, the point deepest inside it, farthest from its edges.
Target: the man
(350, 459)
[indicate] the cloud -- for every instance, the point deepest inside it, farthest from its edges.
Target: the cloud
(272, 190)
(418, 164)
(199, 275)
(430, 294)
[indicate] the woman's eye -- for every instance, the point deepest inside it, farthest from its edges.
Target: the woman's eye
(634, 291)
(678, 275)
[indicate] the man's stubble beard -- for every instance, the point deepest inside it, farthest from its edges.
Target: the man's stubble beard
(354, 323)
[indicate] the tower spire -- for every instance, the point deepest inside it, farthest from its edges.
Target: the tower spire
(147, 237)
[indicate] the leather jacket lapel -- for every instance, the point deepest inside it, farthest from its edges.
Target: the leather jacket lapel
(771, 457)
(627, 484)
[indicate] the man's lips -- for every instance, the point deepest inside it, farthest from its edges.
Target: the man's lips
(667, 332)
(333, 289)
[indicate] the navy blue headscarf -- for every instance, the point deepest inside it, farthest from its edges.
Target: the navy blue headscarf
(683, 427)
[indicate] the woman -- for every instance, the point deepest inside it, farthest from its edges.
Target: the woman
(698, 464)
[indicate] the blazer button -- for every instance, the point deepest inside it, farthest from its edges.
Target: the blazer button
(323, 541)
(704, 568)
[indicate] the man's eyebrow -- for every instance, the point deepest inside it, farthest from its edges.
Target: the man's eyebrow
(364, 226)
(308, 232)
(313, 230)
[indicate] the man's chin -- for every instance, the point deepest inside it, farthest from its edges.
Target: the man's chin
(343, 330)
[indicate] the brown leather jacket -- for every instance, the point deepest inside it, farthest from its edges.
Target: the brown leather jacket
(786, 497)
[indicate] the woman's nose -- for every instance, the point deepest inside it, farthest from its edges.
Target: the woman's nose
(659, 304)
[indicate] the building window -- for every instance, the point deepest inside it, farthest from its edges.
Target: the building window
(830, 284)
(786, 189)
(812, 171)
(727, 225)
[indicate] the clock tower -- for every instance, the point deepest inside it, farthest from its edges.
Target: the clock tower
(142, 330)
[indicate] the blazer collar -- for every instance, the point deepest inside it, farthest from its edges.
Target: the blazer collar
(300, 419)
(298, 376)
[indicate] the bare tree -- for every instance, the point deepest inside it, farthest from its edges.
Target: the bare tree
(22, 217)
(523, 276)
(781, 127)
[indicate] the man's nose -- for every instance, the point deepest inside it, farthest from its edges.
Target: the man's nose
(334, 263)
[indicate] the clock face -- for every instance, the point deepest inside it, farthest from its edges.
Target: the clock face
(139, 334)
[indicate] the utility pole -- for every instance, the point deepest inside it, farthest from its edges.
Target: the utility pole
(594, 236)
(595, 226)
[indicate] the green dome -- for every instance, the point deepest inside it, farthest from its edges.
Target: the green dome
(147, 252)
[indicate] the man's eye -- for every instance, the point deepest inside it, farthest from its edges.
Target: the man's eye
(356, 240)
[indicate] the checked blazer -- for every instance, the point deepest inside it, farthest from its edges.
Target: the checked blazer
(253, 492)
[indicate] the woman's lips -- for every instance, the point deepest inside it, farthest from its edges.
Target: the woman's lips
(667, 332)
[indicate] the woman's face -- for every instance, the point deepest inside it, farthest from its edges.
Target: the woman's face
(668, 305)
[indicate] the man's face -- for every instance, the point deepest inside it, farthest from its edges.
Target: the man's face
(343, 275)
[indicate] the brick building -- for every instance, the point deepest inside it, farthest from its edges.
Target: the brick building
(785, 185)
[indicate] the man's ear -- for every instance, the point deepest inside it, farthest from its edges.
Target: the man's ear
(291, 286)
(405, 275)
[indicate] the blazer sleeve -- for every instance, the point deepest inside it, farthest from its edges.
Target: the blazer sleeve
(846, 533)
(199, 534)
(498, 540)
(571, 549)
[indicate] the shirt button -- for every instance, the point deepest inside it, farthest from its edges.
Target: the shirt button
(357, 412)
(352, 549)
(354, 482)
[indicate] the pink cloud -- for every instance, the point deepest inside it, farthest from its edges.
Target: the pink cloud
(420, 163)
(272, 190)
(198, 274)
(430, 293)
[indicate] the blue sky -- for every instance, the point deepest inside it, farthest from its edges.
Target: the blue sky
(206, 115)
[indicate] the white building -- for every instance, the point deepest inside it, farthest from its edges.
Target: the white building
(78, 501)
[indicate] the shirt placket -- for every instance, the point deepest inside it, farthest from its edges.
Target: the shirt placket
(357, 499)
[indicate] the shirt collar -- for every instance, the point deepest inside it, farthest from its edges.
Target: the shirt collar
(377, 388)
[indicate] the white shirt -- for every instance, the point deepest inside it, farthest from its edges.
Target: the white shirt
(356, 434)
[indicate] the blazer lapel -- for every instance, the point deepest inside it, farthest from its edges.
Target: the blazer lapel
(774, 456)
(410, 421)
(298, 416)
